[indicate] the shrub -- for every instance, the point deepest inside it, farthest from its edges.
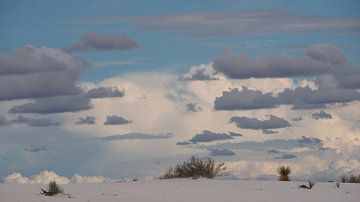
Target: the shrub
(311, 184)
(350, 179)
(53, 189)
(195, 168)
(284, 173)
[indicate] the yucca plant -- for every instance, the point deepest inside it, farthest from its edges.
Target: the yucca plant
(53, 189)
(311, 185)
(284, 172)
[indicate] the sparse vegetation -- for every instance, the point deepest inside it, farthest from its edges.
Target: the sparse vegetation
(310, 186)
(53, 189)
(350, 179)
(284, 172)
(195, 167)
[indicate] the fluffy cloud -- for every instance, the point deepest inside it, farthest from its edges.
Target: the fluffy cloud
(57, 104)
(136, 136)
(46, 176)
(321, 115)
(104, 92)
(86, 120)
(31, 72)
(221, 152)
(34, 122)
(94, 42)
(243, 66)
(202, 72)
(273, 122)
(192, 107)
(115, 120)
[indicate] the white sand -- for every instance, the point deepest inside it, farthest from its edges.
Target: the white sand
(186, 190)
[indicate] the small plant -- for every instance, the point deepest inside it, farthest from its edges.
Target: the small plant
(284, 173)
(350, 179)
(53, 189)
(195, 168)
(338, 184)
(310, 186)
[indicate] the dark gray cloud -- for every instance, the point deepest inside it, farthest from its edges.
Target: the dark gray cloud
(268, 145)
(115, 120)
(286, 157)
(297, 119)
(134, 136)
(273, 122)
(192, 107)
(221, 152)
(299, 98)
(236, 23)
(305, 97)
(243, 66)
(244, 99)
(94, 42)
(58, 104)
(208, 136)
(269, 132)
(31, 72)
(35, 148)
(34, 122)
(321, 115)
(86, 120)
(104, 92)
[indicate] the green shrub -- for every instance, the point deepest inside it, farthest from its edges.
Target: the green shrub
(195, 168)
(53, 189)
(284, 173)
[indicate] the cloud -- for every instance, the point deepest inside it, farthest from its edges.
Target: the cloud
(269, 132)
(286, 157)
(265, 146)
(321, 115)
(31, 72)
(244, 99)
(300, 98)
(86, 120)
(273, 122)
(192, 107)
(33, 122)
(45, 177)
(104, 92)
(203, 72)
(208, 136)
(136, 136)
(221, 152)
(34, 149)
(115, 120)
(236, 23)
(58, 104)
(243, 66)
(91, 41)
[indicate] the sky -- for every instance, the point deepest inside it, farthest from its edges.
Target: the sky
(122, 89)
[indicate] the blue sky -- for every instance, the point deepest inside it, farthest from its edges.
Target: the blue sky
(151, 74)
